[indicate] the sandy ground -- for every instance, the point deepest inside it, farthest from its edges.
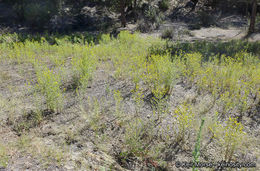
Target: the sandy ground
(211, 33)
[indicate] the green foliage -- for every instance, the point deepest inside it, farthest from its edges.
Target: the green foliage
(230, 80)
(196, 152)
(133, 135)
(167, 34)
(138, 141)
(138, 98)
(51, 39)
(83, 66)
(192, 65)
(154, 15)
(27, 121)
(160, 75)
(210, 49)
(116, 5)
(227, 72)
(128, 54)
(230, 135)
(94, 115)
(3, 156)
(36, 13)
(49, 85)
(206, 19)
(184, 116)
(118, 99)
(164, 5)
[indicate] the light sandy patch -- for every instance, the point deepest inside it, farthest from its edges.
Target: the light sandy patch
(219, 33)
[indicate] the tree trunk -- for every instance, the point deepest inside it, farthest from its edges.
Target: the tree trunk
(122, 11)
(253, 18)
(134, 10)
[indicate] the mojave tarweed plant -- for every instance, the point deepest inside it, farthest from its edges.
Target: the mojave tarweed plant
(184, 117)
(193, 64)
(83, 66)
(232, 79)
(95, 114)
(127, 53)
(118, 103)
(160, 75)
(138, 98)
(230, 135)
(133, 138)
(229, 79)
(49, 83)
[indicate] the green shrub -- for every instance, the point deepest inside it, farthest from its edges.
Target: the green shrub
(184, 116)
(3, 157)
(118, 102)
(164, 5)
(193, 63)
(83, 66)
(167, 34)
(153, 15)
(95, 114)
(206, 19)
(160, 75)
(138, 98)
(230, 80)
(138, 140)
(209, 49)
(49, 85)
(36, 13)
(133, 137)
(230, 135)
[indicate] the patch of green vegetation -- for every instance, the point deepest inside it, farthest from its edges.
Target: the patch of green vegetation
(27, 121)
(3, 156)
(168, 34)
(196, 152)
(118, 100)
(228, 72)
(49, 85)
(45, 154)
(230, 136)
(160, 75)
(208, 49)
(184, 118)
(94, 118)
(164, 5)
(83, 65)
(52, 39)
